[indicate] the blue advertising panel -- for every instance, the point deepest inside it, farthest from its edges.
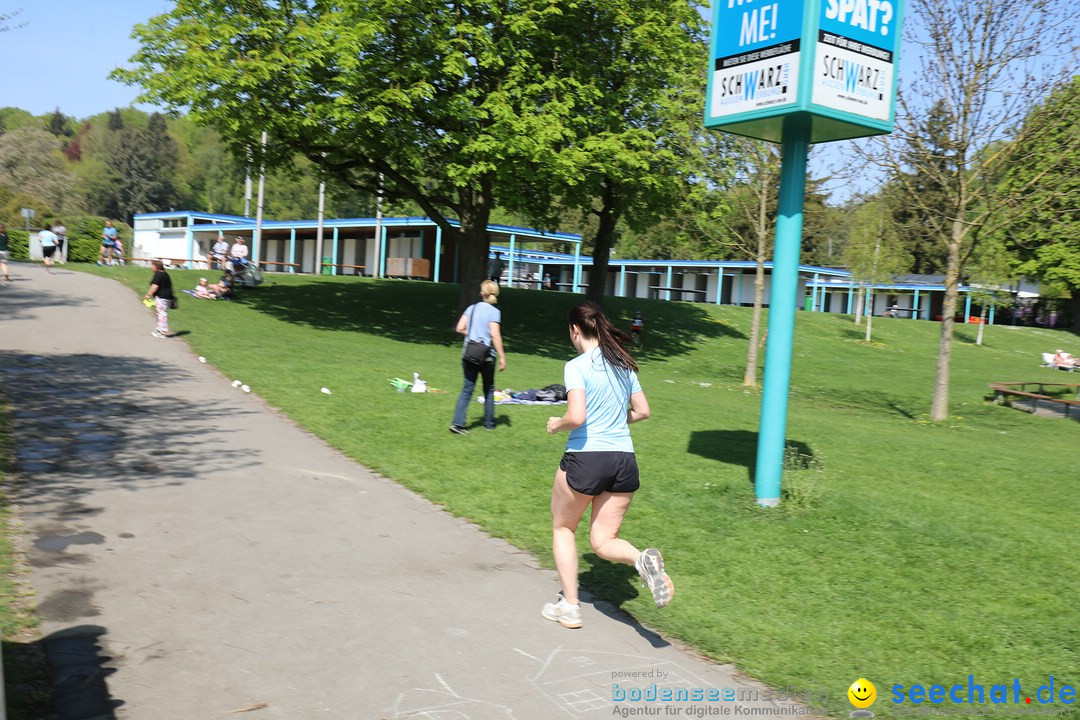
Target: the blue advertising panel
(827, 64)
(754, 56)
(855, 57)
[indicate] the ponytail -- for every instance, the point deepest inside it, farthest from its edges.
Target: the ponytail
(593, 324)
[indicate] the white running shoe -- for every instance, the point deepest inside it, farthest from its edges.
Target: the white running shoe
(650, 566)
(158, 334)
(562, 612)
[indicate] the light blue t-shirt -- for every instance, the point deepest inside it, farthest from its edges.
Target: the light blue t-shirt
(607, 396)
(47, 238)
(109, 235)
(478, 316)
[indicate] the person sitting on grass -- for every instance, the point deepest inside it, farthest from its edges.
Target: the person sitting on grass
(203, 290)
(224, 289)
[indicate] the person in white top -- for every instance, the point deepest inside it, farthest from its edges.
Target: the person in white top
(48, 247)
(219, 251)
(239, 252)
(61, 241)
(599, 466)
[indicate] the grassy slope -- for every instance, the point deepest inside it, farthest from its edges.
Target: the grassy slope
(935, 551)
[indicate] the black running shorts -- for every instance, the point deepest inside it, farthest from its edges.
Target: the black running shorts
(592, 473)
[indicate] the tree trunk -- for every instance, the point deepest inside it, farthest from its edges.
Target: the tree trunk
(604, 239)
(473, 241)
(750, 375)
(859, 305)
(982, 324)
(869, 324)
(1074, 308)
(939, 408)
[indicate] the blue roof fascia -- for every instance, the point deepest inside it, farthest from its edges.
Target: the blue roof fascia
(185, 214)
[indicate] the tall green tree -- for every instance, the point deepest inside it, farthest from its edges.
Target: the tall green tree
(31, 164)
(635, 71)
(444, 102)
(1044, 235)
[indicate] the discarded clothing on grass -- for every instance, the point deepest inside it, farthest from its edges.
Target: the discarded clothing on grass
(528, 397)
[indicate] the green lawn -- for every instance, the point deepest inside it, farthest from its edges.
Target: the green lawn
(924, 553)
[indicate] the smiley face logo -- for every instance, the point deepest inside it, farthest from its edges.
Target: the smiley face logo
(862, 693)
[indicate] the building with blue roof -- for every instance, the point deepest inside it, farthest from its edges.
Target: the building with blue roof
(414, 247)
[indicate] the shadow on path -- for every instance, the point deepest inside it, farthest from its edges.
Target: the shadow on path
(84, 422)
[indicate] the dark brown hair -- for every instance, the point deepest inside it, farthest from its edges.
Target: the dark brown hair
(594, 325)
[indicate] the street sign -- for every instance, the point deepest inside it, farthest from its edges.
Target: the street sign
(27, 213)
(830, 63)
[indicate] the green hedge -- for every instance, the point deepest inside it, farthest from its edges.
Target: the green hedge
(18, 244)
(84, 238)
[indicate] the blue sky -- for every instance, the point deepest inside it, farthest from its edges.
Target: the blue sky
(64, 54)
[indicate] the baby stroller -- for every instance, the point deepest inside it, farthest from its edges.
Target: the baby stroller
(246, 274)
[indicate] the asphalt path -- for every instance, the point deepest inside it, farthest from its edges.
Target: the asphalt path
(195, 554)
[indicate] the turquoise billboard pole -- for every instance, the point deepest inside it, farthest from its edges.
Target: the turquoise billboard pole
(782, 299)
(797, 72)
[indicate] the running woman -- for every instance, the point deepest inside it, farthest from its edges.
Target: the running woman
(599, 466)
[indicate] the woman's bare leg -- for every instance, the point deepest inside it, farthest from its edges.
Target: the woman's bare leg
(567, 507)
(608, 511)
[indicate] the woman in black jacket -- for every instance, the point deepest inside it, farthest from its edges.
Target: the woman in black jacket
(162, 292)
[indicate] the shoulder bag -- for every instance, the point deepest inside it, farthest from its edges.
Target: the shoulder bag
(474, 352)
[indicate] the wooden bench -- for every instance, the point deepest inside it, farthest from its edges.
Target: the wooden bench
(1038, 403)
(662, 288)
(171, 261)
(342, 265)
(284, 264)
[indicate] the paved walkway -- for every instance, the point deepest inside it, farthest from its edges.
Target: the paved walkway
(194, 553)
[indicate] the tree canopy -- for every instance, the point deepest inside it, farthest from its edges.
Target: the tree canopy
(441, 103)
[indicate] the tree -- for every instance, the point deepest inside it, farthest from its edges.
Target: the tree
(59, 125)
(1044, 235)
(635, 70)
(444, 101)
(733, 204)
(31, 163)
(981, 62)
(5, 19)
(873, 252)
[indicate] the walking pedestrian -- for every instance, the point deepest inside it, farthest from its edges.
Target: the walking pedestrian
(61, 241)
(599, 465)
(48, 248)
(481, 323)
(109, 236)
(495, 268)
(161, 291)
(5, 252)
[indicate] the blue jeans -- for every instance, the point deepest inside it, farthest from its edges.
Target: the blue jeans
(487, 369)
